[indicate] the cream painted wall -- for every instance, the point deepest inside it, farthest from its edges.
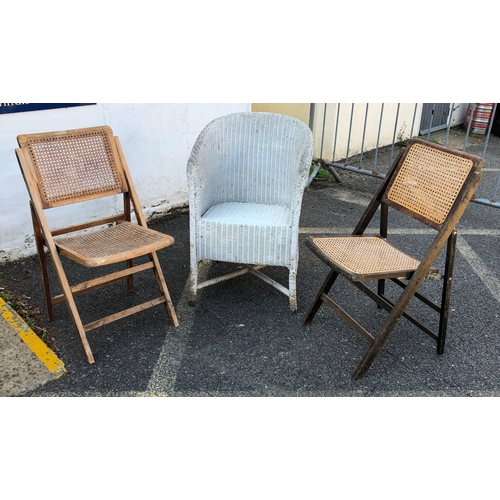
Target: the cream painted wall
(324, 143)
(298, 110)
(156, 138)
(352, 135)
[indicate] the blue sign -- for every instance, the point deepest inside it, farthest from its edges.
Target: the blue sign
(17, 108)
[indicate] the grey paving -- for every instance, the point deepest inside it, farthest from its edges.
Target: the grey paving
(21, 368)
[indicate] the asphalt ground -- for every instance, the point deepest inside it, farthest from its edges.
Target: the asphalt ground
(240, 339)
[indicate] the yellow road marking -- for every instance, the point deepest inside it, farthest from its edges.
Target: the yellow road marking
(37, 346)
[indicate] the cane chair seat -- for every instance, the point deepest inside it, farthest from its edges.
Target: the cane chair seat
(112, 244)
(366, 258)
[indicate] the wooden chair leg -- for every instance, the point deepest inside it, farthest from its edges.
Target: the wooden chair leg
(447, 282)
(313, 309)
(77, 322)
(164, 289)
(127, 214)
(384, 216)
(130, 279)
(380, 290)
(70, 302)
(42, 259)
(386, 329)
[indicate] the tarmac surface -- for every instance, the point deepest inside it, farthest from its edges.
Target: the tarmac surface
(240, 339)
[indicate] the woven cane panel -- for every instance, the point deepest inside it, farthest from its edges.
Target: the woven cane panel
(74, 166)
(365, 254)
(429, 182)
(113, 241)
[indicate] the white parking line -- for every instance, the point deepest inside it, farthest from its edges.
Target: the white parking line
(480, 268)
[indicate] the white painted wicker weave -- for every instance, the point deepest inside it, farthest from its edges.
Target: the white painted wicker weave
(246, 177)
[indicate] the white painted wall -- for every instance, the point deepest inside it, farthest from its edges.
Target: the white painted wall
(156, 139)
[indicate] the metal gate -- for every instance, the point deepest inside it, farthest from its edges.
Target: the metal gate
(364, 138)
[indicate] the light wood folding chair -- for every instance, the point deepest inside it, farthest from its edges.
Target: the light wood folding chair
(430, 183)
(72, 166)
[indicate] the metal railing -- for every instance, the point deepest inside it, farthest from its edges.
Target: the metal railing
(363, 138)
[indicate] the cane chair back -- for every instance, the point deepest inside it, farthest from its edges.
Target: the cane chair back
(429, 183)
(75, 166)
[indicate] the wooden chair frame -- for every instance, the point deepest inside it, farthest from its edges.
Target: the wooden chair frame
(81, 155)
(399, 192)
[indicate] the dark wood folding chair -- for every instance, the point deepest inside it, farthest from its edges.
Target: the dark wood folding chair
(430, 183)
(72, 166)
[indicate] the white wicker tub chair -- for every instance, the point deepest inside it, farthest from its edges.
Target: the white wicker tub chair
(246, 177)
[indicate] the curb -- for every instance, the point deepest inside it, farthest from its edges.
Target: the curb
(43, 364)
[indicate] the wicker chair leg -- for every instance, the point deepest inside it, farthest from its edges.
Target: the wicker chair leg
(193, 285)
(292, 288)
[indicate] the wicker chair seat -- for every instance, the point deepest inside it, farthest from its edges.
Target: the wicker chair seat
(245, 232)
